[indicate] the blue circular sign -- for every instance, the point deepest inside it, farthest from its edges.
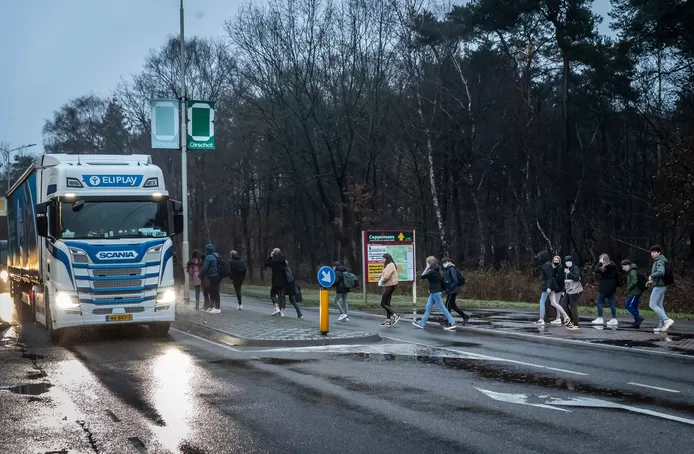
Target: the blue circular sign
(326, 276)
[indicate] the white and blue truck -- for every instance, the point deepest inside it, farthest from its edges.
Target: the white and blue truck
(90, 242)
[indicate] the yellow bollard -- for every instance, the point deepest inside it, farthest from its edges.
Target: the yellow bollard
(324, 308)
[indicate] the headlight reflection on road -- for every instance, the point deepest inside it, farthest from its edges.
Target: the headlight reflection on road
(172, 397)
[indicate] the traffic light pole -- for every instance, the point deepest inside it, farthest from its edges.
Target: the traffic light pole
(184, 164)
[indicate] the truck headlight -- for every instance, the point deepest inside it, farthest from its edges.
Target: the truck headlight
(166, 297)
(65, 301)
(4, 275)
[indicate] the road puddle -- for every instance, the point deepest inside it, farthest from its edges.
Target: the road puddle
(31, 389)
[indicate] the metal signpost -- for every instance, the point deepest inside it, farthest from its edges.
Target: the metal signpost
(398, 243)
(326, 278)
(188, 124)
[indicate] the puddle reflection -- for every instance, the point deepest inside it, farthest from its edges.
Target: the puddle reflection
(172, 397)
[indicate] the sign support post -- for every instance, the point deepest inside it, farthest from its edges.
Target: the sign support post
(185, 251)
(365, 269)
(326, 278)
(414, 267)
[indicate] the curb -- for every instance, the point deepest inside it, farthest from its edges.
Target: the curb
(224, 337)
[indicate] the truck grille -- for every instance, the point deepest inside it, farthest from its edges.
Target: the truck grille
(126, 283)
(116, 296)
(117, 272)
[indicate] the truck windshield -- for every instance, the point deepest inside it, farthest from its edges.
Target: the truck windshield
(105, 219)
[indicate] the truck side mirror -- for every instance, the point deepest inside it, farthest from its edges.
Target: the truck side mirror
(177, 209)
(178, 224)
(42, 219)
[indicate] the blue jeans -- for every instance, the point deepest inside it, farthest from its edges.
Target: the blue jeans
(610, 299)
(632, 305)
(656, 304)
(435, 299)
(543, 301)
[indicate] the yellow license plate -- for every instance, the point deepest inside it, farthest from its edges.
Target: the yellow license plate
(119, 318)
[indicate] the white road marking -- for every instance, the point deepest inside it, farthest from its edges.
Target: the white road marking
(653, 387)
(494, 358)
(521, 399)
(216, 344)
(596, 403)
(589, 402)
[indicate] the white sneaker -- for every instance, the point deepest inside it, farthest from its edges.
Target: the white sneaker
(281, 313)
(540, 322)
(613, 322)
(341, 317)
(346, 319)
(216, 311)
(276, 311)
(556, 321)
(598, 321)
(658, 329)
(240, 308)
(667, 325)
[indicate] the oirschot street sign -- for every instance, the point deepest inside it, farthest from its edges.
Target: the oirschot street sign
(326, 276)
(200, 125)
(165, 123)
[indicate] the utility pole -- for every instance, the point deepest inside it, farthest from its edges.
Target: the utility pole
(8, 162)
(184, 163)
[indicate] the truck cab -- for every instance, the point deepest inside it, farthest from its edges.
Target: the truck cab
(90, 242)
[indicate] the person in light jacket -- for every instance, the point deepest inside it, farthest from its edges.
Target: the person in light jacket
(657, 280)
(388, 281)
(572, 292)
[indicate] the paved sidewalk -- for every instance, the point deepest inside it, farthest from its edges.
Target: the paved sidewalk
(250, 328)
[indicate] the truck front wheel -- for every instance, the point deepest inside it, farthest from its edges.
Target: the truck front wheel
(54, 334)
(159, 329)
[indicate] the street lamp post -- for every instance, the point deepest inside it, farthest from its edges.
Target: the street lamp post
(8, 164)
(184, 161)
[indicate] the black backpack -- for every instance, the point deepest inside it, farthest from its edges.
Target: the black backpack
(641, 280)
(223, 267)
(461, 278)
(669, 276)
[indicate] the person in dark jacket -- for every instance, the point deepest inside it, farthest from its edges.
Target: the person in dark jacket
(433, 275)
(547, 283)
(452, 283)
(210, 270)
(281, 287)
(238, 275)
(341, 291)
(557, 292)
(609, 281)
(572, 291)
(633, 292)
(657, 280)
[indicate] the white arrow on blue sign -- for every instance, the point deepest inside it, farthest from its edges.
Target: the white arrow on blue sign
(326, 276)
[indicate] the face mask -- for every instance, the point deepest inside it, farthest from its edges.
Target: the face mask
(569, 264)
(446, 265)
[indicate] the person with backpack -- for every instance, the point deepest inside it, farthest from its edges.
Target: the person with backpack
(661, 278)
(433, 275)
(193, 268)
(237, 273)
(635, 287)
(211, 269)
(607, 272)
(344, 282)
(283, 283)
(453, 280)
(572, 292)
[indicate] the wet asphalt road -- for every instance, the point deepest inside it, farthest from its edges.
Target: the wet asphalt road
(121, 391)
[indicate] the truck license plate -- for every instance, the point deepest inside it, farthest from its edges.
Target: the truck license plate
(119, 318)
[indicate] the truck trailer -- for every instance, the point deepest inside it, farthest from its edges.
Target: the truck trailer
(90, 242)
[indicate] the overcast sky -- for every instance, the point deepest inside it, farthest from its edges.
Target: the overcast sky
(54, 50)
